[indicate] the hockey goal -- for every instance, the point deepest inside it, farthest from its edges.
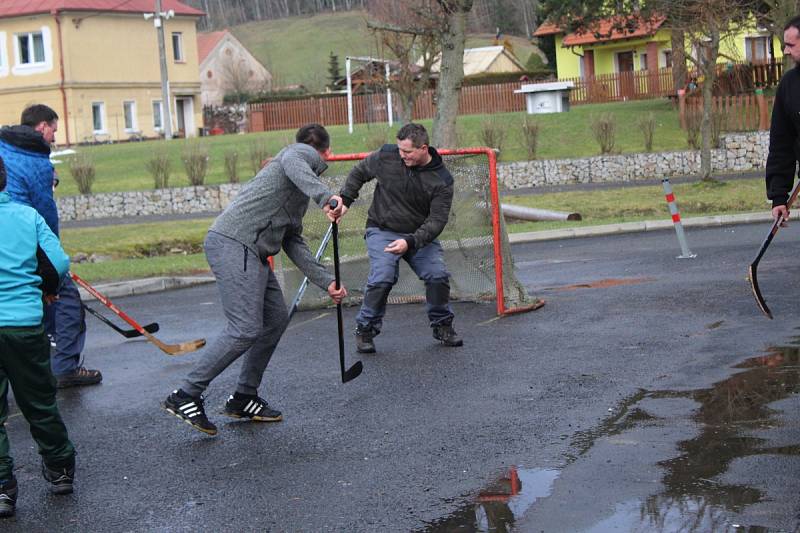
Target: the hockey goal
(475, 242)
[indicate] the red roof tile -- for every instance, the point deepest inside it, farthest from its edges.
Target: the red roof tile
(604, 30)
(207, 41)
(16, 8)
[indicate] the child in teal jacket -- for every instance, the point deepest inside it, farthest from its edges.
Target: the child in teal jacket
(31, 264)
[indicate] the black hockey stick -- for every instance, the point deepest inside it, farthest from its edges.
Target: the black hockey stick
(354, 371)
(127, 333)
(752, 275)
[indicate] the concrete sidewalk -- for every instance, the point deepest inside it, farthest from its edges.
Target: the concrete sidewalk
(165, 283)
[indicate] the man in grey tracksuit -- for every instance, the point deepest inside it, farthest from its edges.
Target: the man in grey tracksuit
(410, 208)
(264, 217)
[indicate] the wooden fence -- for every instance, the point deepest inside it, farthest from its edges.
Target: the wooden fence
(500, 97)
(744, 112)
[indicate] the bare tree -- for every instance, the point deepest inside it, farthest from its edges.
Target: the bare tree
(774, 15)
(705, 24)
(237, 78)
(405, 34)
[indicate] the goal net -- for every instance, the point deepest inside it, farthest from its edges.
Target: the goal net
(475, 242)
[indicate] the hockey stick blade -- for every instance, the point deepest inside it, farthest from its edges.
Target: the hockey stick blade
(753, 278)
(170, 349)
(127, 333)
(353, 372)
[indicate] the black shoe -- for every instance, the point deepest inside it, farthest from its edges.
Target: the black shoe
(252, 407)
(190, 410)
(61, 479)
(80, 377)
(447, 335)
(8, 497)
(364, 336)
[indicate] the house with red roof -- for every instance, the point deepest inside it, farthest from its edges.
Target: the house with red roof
(96, 62)
(228, 68)
(627, 44)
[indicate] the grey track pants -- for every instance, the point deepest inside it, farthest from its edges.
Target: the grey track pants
(256, 313)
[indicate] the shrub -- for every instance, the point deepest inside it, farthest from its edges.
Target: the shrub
(231, 166)
(258, 154)
(530, 136)
(647, 125)
(604, 128)
(159, 166)
(195, 162)
(82, 168)
(492, 134)
(694, 121)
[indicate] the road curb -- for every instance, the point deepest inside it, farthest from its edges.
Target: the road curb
(637, 227)
(147, 285)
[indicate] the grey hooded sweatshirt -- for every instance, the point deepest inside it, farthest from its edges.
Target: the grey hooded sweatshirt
(267, 214)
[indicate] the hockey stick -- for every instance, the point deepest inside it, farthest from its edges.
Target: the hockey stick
(303, 286)
(354, 371)
(171, 349)
(752, 269)
(127, 333)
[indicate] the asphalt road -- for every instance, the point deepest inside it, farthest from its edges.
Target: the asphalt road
(616, 407)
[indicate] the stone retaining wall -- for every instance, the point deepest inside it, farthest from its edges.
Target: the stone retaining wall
(739, 152)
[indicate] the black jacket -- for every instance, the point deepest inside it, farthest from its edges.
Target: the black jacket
(784, 142)
(411, 200)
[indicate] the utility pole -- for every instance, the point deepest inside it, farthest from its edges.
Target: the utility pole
(158, 18)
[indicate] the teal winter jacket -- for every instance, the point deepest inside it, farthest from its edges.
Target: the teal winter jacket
(23, 232)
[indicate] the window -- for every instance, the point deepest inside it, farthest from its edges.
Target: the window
(755, 49)
(3, 55)
(643, 61)
(157, 114)
(31, 48)
(177, 47)
(129, 110)
(98, 117)
(667, 58)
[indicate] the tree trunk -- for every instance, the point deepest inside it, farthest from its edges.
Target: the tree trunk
(451, 74)
(679, 73)
(709, 67)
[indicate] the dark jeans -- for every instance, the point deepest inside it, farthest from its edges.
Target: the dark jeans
(384, 270)
(25, 364)
(66, 321)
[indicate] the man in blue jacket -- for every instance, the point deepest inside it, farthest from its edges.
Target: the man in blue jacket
(31, 264)
(26, 152)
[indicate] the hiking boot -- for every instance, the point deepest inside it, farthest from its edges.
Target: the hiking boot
(252, 407)
(447, 335)
(60, 479)
(80, 377)
(364, 338)
(8, 497)
(190, 410)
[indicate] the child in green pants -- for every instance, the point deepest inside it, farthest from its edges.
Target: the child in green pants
(31, 263)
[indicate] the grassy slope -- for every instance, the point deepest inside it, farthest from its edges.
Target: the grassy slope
(296, 50)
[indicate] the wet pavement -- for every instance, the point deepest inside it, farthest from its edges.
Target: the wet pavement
(649, 394)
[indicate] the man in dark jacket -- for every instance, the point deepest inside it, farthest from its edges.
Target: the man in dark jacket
(265, 217)
(784, 134)
(31, 177)
(410, 208)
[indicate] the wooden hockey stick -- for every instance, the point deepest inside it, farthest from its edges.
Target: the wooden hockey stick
(171, 349)
(752, 274)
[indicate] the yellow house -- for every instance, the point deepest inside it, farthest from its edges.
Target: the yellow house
(647, 47)
(96, 63)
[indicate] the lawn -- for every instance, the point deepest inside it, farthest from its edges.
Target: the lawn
(121, 167)
(168, 248)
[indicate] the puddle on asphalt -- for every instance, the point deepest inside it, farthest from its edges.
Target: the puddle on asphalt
(498, 504)
(694, 495)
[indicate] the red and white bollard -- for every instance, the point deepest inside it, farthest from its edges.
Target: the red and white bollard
(676, 220)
